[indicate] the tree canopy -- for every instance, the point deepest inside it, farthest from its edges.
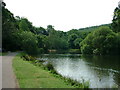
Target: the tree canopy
(116, 20)
(18, 33)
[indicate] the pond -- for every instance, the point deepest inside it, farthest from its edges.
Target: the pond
(100, 71)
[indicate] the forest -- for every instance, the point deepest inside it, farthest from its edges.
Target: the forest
(18, 34)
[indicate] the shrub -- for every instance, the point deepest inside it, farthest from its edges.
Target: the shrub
(101, 41)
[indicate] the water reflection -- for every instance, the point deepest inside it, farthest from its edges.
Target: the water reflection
(101, 72)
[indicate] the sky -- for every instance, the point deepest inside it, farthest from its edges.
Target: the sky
(64, 14)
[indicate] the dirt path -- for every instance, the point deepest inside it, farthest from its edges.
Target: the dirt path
(8, 76)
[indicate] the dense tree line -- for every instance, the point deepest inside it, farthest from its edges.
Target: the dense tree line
(105, 39)
(102, 41)
(18, 33)
(116, 20)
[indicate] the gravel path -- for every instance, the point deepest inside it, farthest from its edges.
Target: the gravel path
(8, 76)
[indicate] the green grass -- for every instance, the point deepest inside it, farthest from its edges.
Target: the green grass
(3, 54)
(30, 76)
(74, 51)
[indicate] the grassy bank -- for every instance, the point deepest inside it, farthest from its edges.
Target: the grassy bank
(30, 76)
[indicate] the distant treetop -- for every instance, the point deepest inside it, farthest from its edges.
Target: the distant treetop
(119, 4)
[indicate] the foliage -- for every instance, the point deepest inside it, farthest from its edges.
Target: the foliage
(25, 25)
(92, 28)
(71, 40)
(8, 29)
(77, 42)
(19, 34)
(27, 57)
(56, 42)
(116, 48)
(101, 41)
(50, 29)
(28, 42)
(116, 20)
(40, 31)
(75, 37)
(104, 40)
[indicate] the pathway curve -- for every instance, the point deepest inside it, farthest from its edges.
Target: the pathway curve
(8, 76)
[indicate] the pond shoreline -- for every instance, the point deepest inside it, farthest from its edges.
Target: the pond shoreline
(90, 68)
(66, 82)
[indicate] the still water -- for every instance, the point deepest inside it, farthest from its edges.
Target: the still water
(100, 71)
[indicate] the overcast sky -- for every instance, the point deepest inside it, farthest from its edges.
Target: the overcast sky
(64, 14)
